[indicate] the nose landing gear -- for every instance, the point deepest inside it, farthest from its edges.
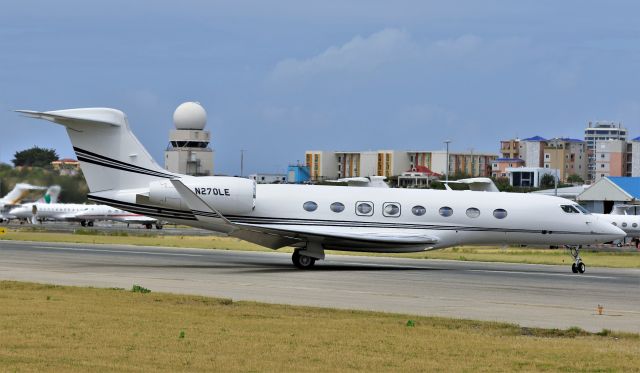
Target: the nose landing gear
(578, 265)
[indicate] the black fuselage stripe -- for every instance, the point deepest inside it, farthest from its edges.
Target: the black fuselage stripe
(108, 160)
(99, 163)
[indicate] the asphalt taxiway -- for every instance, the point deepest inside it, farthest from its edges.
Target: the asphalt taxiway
(529, 295)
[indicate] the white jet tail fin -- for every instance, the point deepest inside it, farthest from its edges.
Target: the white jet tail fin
(18, 192)
(110, 155)
(51, 196)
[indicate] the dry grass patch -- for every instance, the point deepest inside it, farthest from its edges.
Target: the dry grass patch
(56, 328)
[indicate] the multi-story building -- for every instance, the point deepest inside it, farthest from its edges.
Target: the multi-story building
(610, 158)
(354, 164)
(322, 164)
(567, 155)
(601, 131)
(392, 163)
(510, 148)
(499, 166)
(635, 157)
(531, 150)
(471, 164)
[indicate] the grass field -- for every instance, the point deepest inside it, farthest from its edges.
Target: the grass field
(487, 254)
(65, 329)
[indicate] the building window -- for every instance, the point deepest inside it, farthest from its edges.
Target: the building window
(391, 209)
(310, 206)
(418, 210)
(445, 211)
(473, 212)
(500, 213)
(364, 208)
(337, 207)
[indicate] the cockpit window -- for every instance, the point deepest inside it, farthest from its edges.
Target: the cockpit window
(582, 209)
(569, 209)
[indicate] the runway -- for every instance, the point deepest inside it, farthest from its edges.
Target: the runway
(529, 295)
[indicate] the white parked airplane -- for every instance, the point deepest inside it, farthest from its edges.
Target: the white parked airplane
(14, 197)
(121, 173)
(85, 214)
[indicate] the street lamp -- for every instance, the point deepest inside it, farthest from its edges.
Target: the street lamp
(447, 171)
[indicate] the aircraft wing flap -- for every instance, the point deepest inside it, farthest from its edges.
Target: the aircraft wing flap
(362, 235)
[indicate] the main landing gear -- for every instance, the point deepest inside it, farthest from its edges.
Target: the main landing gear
(578, 265)
(306, 257)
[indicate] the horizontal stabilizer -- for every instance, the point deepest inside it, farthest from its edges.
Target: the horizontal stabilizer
(103, 116)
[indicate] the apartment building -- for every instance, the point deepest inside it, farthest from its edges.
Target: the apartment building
(355, 164)
(610, 158)
(510, 148)
(392, 163)
(597, 132)
(322, 164)
(472, 164)
(500, 166)
(531, 150)
(567, 155)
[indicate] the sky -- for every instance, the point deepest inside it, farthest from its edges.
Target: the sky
(284, 76)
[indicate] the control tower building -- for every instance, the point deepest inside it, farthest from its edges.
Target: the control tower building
(188, 151)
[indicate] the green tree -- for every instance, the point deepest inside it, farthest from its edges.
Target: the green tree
(547, 181)
(35, 157)
(574, 179)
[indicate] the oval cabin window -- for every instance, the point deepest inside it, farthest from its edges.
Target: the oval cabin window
(446, 211)
(391, 209)
(500, 213)
(473, 212)
(364, 208)
(337, 207)
(418, 210)
(310, 206)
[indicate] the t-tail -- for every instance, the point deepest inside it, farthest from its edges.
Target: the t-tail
(51, 196)
(110, 155)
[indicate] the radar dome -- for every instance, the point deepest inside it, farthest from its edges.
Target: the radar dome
(190, 116)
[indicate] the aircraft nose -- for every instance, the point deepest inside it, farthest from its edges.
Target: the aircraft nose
(606, 228)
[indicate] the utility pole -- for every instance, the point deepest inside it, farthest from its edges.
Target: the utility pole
(447, 172)
(241, 162)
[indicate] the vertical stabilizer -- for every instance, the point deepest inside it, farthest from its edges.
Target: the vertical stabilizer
(110, 155)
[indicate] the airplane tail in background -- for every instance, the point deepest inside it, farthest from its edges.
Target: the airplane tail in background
(110, 155)
(51, 196)
(18, 192)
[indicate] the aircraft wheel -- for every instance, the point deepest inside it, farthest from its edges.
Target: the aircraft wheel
(83, 223)
(148, 226)
(302, 261)
(574, 268)
(90, 224)
(581, 267)
(158, 226)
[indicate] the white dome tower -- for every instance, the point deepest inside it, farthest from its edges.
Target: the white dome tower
(188, 151)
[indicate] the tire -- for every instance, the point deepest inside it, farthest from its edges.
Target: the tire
(581, 267)
(574, 268)
(158, 226)
(302, 261)
(90, 224)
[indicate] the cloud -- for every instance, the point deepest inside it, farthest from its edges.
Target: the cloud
(359, 55)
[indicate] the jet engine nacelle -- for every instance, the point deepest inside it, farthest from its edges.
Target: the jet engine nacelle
(228, 195)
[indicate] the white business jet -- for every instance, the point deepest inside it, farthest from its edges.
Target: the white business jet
(121, 173)
(86, 215)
